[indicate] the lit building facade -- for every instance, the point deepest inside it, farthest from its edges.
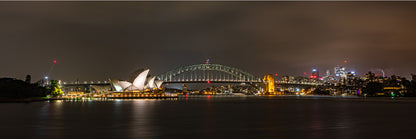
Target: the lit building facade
(314, 74)
(141, 83)
(340, 72)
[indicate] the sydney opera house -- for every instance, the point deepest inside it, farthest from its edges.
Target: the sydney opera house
(142, 82)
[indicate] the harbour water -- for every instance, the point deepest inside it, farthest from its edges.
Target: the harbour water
(211, 117)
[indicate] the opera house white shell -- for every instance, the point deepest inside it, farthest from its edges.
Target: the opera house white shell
(140, 83)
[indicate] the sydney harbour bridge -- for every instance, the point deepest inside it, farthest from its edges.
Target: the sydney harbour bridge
(208, 73)
(197, 73)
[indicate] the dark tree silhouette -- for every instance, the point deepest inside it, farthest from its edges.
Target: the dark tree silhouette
(28, 78)
(373, 88)
(12, 88)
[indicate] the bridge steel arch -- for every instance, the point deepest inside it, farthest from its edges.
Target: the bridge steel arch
(229, 74)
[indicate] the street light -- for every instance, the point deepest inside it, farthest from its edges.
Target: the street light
(46, 78)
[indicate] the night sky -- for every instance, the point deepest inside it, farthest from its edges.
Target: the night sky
(101, 40)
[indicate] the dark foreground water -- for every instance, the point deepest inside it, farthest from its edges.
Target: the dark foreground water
(251, 117)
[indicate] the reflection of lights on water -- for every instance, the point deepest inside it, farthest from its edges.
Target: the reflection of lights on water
(55, 101)
(139, 101)
(89, 100)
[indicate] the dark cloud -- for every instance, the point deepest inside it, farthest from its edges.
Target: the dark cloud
(97, 40)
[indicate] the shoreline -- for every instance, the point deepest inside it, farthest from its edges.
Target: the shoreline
(28, 100)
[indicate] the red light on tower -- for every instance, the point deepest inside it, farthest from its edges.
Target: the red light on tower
(276, 74)
(54, 61)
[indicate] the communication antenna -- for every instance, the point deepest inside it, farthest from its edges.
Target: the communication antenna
(50, 70)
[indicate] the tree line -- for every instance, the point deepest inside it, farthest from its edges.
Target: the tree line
(14, 88)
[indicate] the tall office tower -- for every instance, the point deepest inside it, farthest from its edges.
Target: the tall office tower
(340, 72)
(314, 74)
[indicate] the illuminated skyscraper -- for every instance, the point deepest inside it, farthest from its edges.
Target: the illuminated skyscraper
(340, 72)
(314, 74)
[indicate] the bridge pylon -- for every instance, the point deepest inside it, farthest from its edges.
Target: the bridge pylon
(269, 80)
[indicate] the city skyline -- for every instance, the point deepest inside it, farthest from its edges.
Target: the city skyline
(96, 41)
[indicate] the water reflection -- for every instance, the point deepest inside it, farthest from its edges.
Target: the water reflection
(141, 125)
(269, 117)
(50, 119)
(209, 119)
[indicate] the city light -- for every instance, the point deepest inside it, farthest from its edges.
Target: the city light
(103, 86)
